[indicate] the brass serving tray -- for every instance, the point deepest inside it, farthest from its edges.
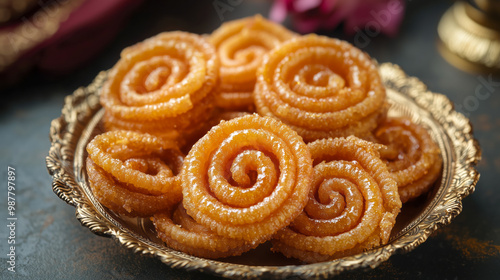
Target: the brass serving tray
(80, 121)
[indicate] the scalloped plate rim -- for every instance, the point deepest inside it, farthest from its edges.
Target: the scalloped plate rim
(67, 188)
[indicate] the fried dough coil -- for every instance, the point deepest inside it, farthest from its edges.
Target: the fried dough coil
(352, 205)
(322, 87)
(411, 156)
(162, 80)
(117, 153)
(134, 174)
(180, 232)
(241, 45)
(186, 131)
(247, 178)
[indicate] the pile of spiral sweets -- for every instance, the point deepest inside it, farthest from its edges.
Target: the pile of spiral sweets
(253, 134)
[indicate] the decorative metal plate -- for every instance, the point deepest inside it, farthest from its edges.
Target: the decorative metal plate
(80, 121)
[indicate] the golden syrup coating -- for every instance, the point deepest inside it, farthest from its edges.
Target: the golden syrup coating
(321, 87)
(231, 97)
(162, 79)
(352, 205)
(241, 45)
(160, 129)
(123, 199)
(136, 160)
(119, 159)
(185, 130)
(411, 156)
(181, 232)
(247, 178)
(229, 115)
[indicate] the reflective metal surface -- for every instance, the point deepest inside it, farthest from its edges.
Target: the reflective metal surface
(80, 122)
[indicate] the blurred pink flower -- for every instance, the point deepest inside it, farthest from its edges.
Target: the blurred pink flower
(310, 15)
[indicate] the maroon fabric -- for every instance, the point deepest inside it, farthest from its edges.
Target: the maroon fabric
(88, 29)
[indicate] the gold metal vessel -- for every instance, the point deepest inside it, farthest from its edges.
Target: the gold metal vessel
(469, 35)
(81, 120)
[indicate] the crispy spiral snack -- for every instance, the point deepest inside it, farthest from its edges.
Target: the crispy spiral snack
(241, 45)
(411, 155)
(163, 83)
(247, 178)
(133, 173)
(352, 205)
(321, 87)
(180, 232)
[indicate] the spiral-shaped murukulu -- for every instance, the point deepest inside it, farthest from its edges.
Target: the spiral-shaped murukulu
(181, 232)
(352, 205)
(247, 178)
(133, 173)
(163, 83)
(322, 87)
(411, 155)
(241, 45)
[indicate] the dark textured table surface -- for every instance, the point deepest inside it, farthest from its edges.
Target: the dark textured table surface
(51, 243)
